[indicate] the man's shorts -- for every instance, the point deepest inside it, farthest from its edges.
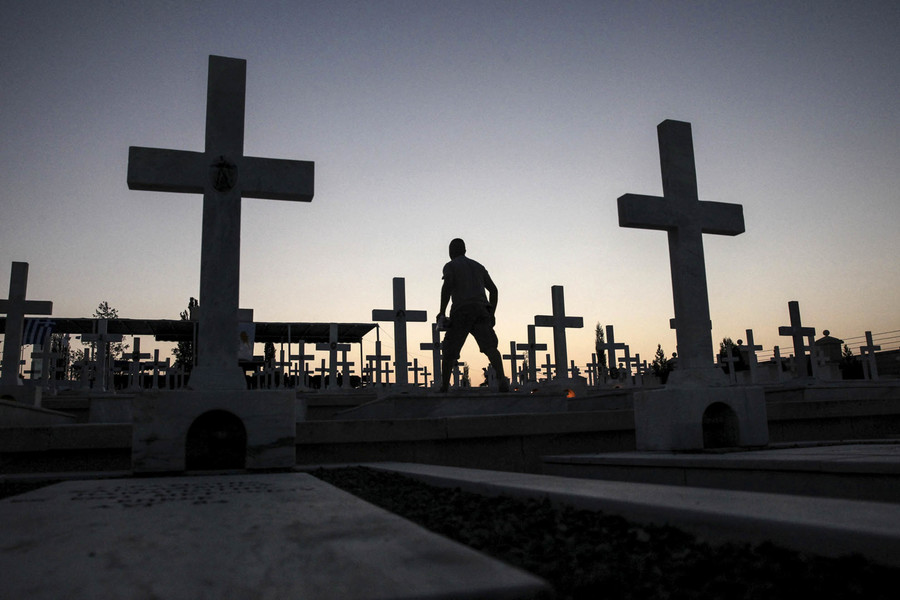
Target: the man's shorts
(475, 319)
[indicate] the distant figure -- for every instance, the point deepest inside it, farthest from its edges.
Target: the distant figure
(472, 312)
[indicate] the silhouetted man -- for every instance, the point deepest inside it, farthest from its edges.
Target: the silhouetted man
(472, 312)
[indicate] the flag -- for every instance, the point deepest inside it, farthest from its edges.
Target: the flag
(37, 331)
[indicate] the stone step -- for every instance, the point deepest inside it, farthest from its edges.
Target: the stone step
(276, 535)
(851, 470)
(823, 526)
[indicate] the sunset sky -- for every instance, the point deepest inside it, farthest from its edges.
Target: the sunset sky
(514, 125)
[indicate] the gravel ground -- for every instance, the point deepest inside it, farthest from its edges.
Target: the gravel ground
(587, 554)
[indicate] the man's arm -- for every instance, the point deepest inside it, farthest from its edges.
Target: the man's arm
(445, 297)
(491, 287)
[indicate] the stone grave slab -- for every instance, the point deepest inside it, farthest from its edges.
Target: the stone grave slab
(285, 535)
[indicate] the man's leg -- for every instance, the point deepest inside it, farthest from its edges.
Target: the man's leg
(453, 343)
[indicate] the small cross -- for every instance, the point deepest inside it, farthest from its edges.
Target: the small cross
(532, 349)
(400, 316)
(611, 346)
(727, 358)
(796, 331)
(16, 307)
(378, 358)
(435, 347)
(548, 366)
(869, 352)
(559, 322)
(752, 349)
(512, 357)
(333, 347)
(102, 339)
(593, 369)
(301, 357)
(136, 357)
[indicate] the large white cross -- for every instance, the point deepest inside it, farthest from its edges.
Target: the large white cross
(223, 175)
(16, 307)
(400, 316)
(559, 322)
(685, 218)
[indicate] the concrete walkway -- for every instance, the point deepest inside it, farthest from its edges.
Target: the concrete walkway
(853, 470)
(825, 526)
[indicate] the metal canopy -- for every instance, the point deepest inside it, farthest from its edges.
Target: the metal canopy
(172, 330)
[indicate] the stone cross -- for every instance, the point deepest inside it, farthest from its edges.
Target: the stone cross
(610, 345)
(548, 368)
(16, 307)
(400, 316)
(301, 358)
(685, 218)
(512, 357)
(559, 322)
(435, 347)
(796, 331)
(752, 349)
(156, 364)
(322, 371)
(102, 338)
(593, 370)
(377, 359)
(727, 358)
(416, 369)
(776, 352)
(532, 349)
(345, 365)
(870, 364)
(223, 175)
(136, 357)
(332, 347)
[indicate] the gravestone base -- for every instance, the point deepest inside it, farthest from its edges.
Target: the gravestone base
(27, 394)
(673, 418)
(162, 421)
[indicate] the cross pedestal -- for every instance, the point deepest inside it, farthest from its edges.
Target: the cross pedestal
(695, 401)
(223, 175)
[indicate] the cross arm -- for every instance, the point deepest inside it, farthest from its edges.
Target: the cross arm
(161, 170)
(31, 307)
(531, 346)
(647, 212)
(277, 179)
(389, 315)
(720, 218)
(550, 321)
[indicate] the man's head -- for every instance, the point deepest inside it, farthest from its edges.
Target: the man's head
(457, 248)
